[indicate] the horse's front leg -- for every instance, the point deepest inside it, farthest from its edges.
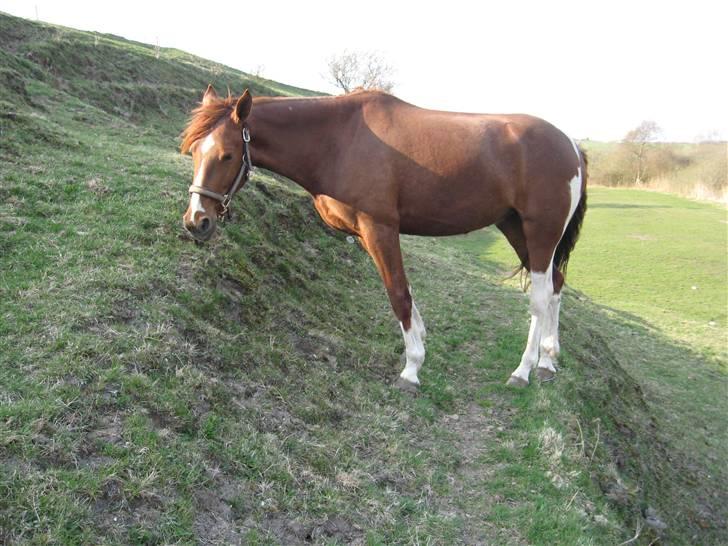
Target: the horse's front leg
(382, 243)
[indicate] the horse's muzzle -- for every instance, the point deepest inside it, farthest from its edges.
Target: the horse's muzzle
(202, 230)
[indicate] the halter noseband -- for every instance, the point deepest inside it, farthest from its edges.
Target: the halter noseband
(246, 168)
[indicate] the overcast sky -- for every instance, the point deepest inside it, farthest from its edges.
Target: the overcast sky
(593, 68)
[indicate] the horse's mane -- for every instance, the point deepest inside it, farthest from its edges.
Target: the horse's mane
(203, 120)
(206, 116)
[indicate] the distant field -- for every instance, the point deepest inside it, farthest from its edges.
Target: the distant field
(658, 257)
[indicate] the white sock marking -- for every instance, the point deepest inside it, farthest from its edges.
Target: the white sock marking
(418, 322)
(415, 352)
(542, 290)
(414, 347)
(530, 354)
(550, 337)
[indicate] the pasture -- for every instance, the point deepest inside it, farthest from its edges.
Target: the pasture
(656, 265)
(153, 391)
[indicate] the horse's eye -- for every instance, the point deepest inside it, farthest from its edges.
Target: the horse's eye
(226, 157)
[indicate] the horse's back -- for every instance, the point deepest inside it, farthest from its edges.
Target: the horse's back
(457, 172)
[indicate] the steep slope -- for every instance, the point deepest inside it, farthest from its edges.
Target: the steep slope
(154, 391)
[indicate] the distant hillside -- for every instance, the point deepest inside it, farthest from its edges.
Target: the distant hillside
(153, 391)
(128, 80)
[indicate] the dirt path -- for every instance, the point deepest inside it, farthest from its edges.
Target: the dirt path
(475, 431)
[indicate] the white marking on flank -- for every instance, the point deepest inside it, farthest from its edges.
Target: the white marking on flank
(207, 144)
(574, 186)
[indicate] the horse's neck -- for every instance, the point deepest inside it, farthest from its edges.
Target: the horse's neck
(295, 137)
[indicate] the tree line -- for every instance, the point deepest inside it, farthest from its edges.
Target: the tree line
(640, 160)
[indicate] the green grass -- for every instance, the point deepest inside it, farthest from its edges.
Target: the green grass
(153, 391)
(656, 266)
(658, 257)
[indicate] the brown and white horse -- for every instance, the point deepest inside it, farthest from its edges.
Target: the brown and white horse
(377, 167)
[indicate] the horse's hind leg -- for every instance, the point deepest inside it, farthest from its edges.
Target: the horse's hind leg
(512, 227)
(541, 240)
(547, 282)
(550, 335)
(382, 244)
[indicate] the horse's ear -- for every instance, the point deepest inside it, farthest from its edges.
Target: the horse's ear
(242, 108)
(209, 95)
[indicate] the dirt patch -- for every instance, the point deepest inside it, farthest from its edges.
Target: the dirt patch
(108, 430)
(233, 288)
(97, 185)
(214, 517)
(475, 427)
(332, 529)
(125, 311)
(266, 412)
(115, 513)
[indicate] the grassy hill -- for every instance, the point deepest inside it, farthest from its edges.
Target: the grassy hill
(155, 391)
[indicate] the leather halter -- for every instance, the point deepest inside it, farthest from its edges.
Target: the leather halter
(246, 167)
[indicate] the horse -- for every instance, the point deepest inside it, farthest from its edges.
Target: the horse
(378, 167)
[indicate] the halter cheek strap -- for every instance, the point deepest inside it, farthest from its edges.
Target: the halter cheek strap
(246, 168)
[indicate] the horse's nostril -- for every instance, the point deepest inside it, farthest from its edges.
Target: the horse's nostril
(205, 224)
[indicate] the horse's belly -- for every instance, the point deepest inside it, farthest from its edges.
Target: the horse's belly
(449, 211)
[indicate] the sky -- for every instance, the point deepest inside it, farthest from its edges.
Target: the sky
(595, 69)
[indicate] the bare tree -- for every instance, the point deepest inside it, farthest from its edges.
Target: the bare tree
(365, 69)
(636, 143)
(343, 69)
(258, 72)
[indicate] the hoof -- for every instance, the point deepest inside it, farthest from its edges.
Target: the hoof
(545, 375)
(407, 386)
(515, 381)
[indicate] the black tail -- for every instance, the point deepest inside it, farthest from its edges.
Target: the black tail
(571, 234)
